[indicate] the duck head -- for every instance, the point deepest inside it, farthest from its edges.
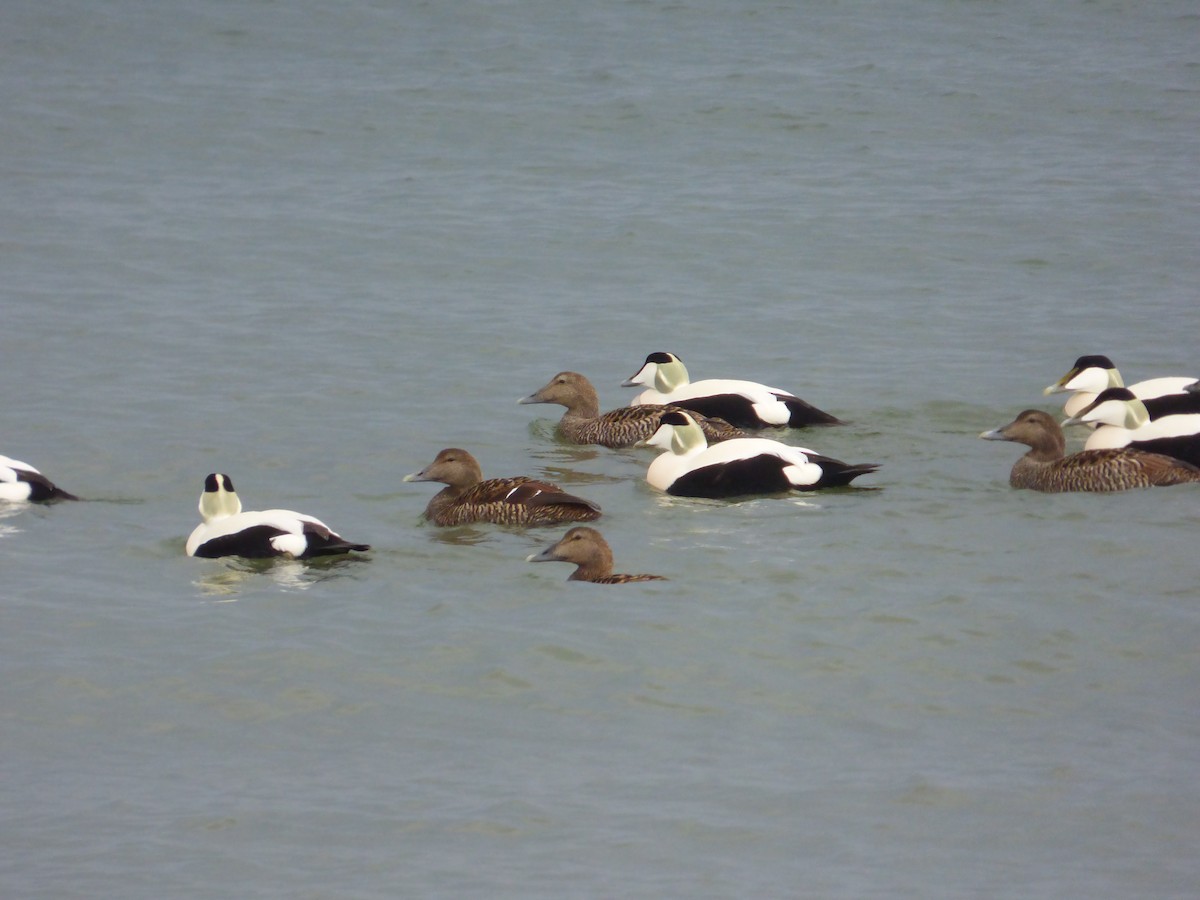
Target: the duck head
(1090, 373)
(219, 499)
(1113, 406)
(665, 371)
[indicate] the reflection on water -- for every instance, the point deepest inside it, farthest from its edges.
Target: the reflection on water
(10, 509)
(228, 582)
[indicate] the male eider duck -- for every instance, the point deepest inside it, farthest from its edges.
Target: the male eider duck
(592, 556)
(583, 423)
(1045, 468)
(227, 531)
(1092, 374)
(502, 501)
(1124, 422)
(21, 481)
(688, 467)
(743, 404)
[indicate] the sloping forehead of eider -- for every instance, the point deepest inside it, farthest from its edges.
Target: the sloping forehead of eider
(1093, 362)
(217, 482)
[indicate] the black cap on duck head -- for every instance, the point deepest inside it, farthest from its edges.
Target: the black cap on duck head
(660, 358)
(216, 482)
(1093, 362)
(673, 419)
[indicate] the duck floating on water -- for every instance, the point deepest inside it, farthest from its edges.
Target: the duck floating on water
(743, 404)
(1046, 467)
(20, 481)
(688, 467)
(227, 531)
(1122, 420)
(1090, 375)
(592, 556)
(468, 498)
(583, 423)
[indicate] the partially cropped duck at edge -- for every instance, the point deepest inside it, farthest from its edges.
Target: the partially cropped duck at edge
(1046, 468)
(688, 467)
(583, 422)
(1121, 420)
(20, 481)
(467, 497)
(1093, 374)
(743, 404)
(592, 556)
(227, 531)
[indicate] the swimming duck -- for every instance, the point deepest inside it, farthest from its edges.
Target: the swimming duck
(688, 467)
(21, 481)
(1045, 468)
(582, 423)
(1092, 374)
(592, 556)
(503, 501)
(743, 404)
(1124, 422)
(227, 531)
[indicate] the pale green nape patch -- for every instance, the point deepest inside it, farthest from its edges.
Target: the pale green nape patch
(670, 376)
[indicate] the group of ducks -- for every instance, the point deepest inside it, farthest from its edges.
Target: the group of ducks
(1145, 435)
(702, 429)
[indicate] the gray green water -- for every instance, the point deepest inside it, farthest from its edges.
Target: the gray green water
(310, 246)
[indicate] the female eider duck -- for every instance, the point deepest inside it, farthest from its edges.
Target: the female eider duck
(743, 404)
(592, 556)
(21, 481)
(688, 467)
(1045, 468)
(583, 423)
(227, 531)
(1093, 374)
(502, 501)
(1123, 421)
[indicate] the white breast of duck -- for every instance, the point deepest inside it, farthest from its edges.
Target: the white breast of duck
(1092, 375)
(743, 404)
(1122, 420)
(743, 466)
(227, 531)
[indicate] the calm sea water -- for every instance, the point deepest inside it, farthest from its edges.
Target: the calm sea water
(310, 245)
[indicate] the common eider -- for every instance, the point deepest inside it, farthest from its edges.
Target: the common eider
(583, 423)
(21, 481)
(592, 556)
(1045, 468)
(502, 501)
(743, 404)
(688, 467)
(1123, 421)
(227, 531)
(1093, 374)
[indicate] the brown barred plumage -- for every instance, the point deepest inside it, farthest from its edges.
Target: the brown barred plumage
(502, 501)
(592, 556)
(1045, 468)
(583, 422)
